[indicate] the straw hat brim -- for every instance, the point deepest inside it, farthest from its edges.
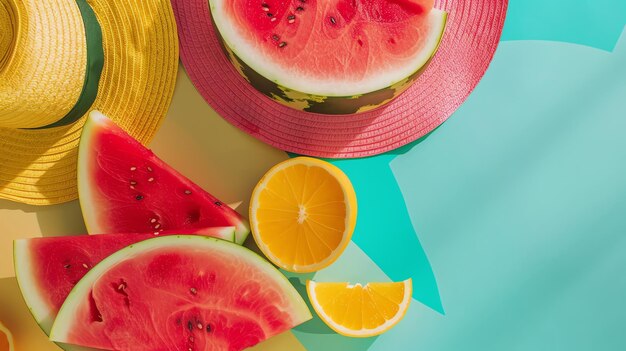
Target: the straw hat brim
(469, 42)
(136, 86)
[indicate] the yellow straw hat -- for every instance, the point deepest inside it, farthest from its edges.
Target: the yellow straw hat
(60, 59)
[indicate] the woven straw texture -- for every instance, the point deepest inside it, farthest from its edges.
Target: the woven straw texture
(140, 63)
(43, 58)
(467, 47)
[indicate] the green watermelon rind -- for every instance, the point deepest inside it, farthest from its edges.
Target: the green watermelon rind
(65, 318)
(90, 217)
(253, 70)
(30, 289)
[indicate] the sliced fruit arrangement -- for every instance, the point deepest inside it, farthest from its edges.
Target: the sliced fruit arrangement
(179, 293)
(360, 311)
(6, 338)
(124, 188)
(332, 56)
(179, 280)
(303, 213)
(48, 268)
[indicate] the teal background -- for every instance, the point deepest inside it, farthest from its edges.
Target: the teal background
(519, 200)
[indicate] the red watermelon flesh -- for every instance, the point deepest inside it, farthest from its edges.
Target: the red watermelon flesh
(179, 293)
(329, 47)
(124, 188)
(48, 268)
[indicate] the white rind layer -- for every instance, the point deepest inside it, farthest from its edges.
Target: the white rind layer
(286, 78)
(66, 317)
(30, 287)
(91, 218)
(36, 303)
(31, 290)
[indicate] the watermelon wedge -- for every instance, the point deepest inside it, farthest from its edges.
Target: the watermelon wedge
(331, 56)
(179, 293)
(48, 268)
(124, 188)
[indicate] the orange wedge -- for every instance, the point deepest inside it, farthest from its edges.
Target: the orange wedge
(6, 340)
(360, 311)
(303, 213)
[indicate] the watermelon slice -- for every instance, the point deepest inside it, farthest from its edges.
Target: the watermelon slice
(124, 188)
(48, 268)
(331, 56)
(179, 293)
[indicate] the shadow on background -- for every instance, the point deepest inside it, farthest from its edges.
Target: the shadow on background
(406, 148)
(205, 148)
(53, 220)
(315, 329)
(380, 197)
(64, 219)
(315, 325)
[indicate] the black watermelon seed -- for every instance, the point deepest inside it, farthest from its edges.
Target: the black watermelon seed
(218, 203)
(190, 326)
(282, 44)
(139, 197)
(208, 328)
(275, 37)
(290, 17)
(270, 15)
(299, 8)
(333, 20)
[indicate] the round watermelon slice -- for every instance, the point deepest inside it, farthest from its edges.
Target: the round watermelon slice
(179, 293)
(48, 268)
(331, 56)
(124, 188)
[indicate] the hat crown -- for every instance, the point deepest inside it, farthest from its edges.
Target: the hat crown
(43, 59)
(7, 32)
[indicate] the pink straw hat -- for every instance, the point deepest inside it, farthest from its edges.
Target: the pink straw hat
(470, 40)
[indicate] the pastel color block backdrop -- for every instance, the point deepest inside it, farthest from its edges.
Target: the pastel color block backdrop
(518, 199)
(509, 216)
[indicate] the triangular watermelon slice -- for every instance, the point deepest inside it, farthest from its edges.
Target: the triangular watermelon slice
(124, 188)
(179, 293)
(48, 268)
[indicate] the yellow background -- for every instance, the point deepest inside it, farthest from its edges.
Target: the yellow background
(194, 140)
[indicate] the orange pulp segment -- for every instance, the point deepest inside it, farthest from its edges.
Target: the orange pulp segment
(302, 214)
(360, 311)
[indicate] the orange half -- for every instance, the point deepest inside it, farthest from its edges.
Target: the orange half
(302, 214)
(360, 311)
